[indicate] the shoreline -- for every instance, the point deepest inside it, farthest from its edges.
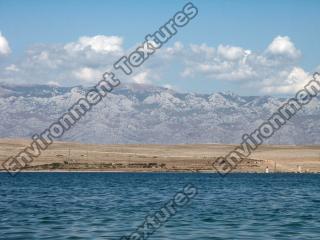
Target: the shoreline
(145, 158)
(156, 172)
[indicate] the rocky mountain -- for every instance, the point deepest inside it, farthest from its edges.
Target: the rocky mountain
(149, 114)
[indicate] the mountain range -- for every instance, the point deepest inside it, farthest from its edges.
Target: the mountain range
(152, 115)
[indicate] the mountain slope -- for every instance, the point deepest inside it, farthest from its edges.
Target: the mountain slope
(149, 114)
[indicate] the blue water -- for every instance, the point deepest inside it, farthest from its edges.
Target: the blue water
(109, 205)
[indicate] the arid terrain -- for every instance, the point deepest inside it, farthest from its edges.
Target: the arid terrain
(64, 156)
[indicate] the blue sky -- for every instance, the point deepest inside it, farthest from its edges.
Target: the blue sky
(32, 27)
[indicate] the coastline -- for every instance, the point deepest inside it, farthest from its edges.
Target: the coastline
(156, 172)
(156, 158)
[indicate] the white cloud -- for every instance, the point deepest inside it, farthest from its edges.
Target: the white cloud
(224, 63)
(174, 50)
(4, 46)
(12, 68)
(169, 86)
(79, 62)
(141, 78)
(54, 84)
(286, 82)
(99, 44)
(43, 56)
(232, 53)
(271, 71)
(283, 46)
(87, 74)
(202, 50)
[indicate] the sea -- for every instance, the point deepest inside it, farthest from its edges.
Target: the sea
(116, 206)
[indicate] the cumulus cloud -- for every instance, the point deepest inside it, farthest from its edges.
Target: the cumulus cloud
(232, 53)
(274, 70)
(286, 81)
(74, 63)
(174, 50)
(224, 63)
(169, 86)
(284, 47)
(12, 68)
(99, 44)
(87, 74)
(141, 78)
(4, 45)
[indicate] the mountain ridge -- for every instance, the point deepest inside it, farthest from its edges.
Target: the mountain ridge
(142, 114)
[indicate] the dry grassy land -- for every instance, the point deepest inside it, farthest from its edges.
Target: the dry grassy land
(63, 156)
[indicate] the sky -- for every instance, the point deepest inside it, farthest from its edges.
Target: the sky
(247, 47)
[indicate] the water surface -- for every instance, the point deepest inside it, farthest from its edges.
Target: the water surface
(109, 205)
